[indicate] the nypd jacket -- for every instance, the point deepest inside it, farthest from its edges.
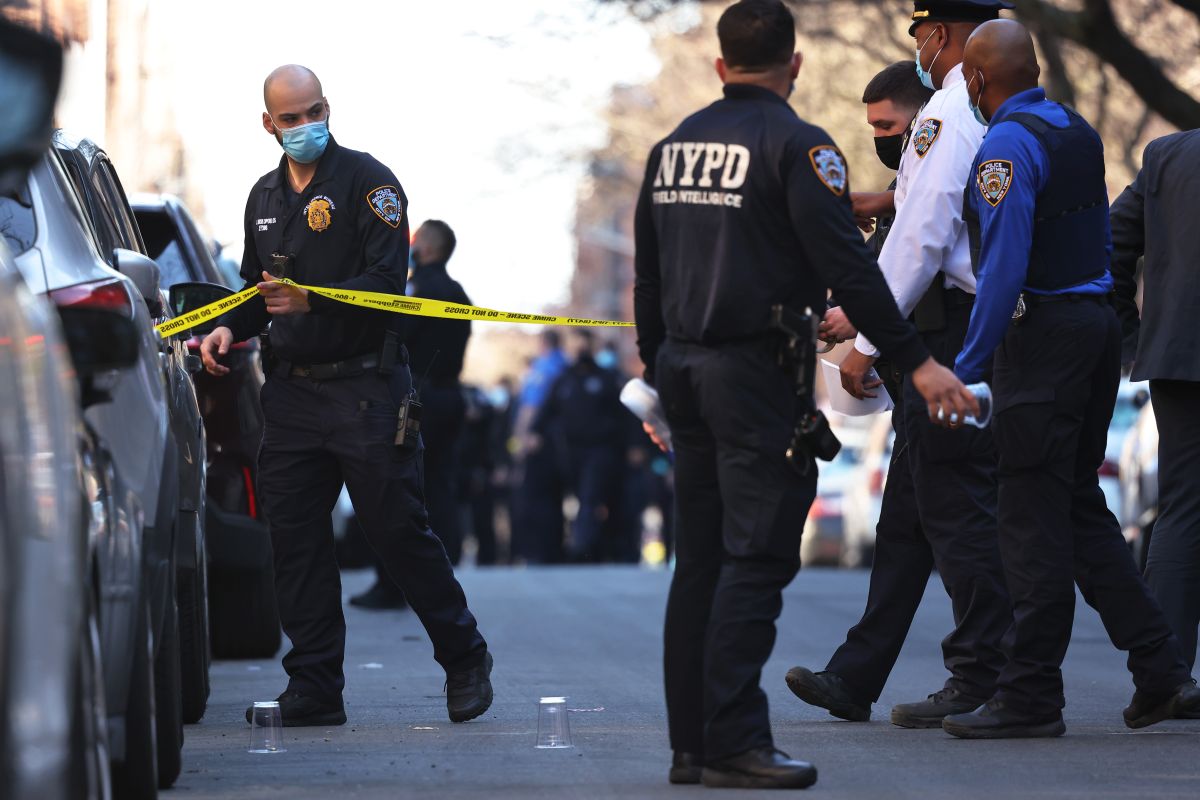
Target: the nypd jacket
(347, 230)
(744, 206)
(437, 347)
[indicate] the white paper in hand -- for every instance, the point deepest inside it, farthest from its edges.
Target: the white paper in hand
(845, 403)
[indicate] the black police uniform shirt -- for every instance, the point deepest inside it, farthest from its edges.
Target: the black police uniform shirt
(436, 347)
(744, 206)
(348, 230)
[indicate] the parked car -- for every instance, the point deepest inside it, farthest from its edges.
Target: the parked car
(824, 539)
(864, 493)
(54, 513)
(1131, 396)
(1139, 483)
(243, 616)
(78, 259)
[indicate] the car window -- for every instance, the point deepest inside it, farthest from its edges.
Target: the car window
(207, 268)
(103, 216)
(17, 224)
(130, 237)
(163, 245)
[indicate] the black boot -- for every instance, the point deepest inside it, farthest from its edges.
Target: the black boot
(761, 768)
(930, 712)
(298, 711)
(826, 690)
(382, 596)
(1146, 709)
(469, 693)
(995, 721)
(685, 768)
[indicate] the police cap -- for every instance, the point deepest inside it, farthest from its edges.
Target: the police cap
(955, 11)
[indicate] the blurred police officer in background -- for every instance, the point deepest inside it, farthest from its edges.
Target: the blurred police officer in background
(337, 382)
(857, 672)
(954, 473)
(1038, 210)
(436, 349)
(745, 206)
(1156, 217)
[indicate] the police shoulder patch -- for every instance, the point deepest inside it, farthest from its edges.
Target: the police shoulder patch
(925, 134)
(830, 166)
(994, 179)
(385, 202)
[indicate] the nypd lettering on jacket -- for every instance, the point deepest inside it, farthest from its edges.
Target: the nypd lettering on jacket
(701, 173)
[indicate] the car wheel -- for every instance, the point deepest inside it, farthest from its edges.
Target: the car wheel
(90, 771)
(193, 642)
(136, 778)
(245, 618)
(169, 701)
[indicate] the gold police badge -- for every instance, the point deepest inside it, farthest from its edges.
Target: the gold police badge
(319, 213)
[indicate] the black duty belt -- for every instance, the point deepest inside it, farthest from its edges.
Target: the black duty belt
(957, 297)
(338, 369)
(1033, 300)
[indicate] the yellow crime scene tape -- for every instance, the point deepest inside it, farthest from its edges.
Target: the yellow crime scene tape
(400, 304)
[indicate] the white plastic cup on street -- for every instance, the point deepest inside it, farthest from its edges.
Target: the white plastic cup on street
(983, 395)
(554, 730)
(641, 398)
(266, 728)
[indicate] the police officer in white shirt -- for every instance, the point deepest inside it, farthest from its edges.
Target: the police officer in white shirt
(954, 471)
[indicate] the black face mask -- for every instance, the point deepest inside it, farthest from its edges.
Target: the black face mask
(889, 149)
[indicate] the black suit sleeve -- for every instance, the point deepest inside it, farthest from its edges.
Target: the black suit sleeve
(647, 284)
(1129, 244)
(824, 224)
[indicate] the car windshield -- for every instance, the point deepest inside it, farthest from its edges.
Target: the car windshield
(17, 224)
(163, 245)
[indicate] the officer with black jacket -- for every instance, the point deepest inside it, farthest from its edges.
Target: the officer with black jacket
(436, 350)
(1037, 210)
(338, 381)
(744, 207)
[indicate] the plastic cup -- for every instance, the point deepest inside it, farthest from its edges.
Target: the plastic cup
(554, 731)
(983, 394)
(266, 728)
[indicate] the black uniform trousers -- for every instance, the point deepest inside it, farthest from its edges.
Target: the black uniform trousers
(318, 435)
(443, 415)
(596, 478)
(1055, 384)
(939, 508)
(1173, 566)
(740, 513)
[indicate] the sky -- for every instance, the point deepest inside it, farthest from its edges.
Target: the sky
(481, 108)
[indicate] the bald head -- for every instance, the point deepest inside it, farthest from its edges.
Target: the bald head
(293, 96)
(290, 80)
(999, 62)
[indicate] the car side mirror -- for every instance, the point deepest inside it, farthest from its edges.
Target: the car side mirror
(144, 274)
(100, 342)
(31, 67)
(187, 297)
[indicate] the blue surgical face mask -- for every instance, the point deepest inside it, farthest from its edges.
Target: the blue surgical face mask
(927, 77)
(606, 359)
(305, 143)
(982, 120)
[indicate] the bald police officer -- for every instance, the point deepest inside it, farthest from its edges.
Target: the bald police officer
(745, 206)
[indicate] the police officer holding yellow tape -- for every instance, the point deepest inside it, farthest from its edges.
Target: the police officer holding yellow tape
(338, 404)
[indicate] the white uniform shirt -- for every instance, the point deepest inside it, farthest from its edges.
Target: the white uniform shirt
(928, 235)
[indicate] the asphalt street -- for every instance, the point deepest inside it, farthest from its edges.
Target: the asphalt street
(593, 634)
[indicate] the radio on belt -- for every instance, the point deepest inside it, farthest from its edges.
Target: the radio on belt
(408, 423)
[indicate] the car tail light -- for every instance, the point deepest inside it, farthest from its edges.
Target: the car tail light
(1109, 469)
(876, 480)
(251, 502)
(826, 507)
(109, 295)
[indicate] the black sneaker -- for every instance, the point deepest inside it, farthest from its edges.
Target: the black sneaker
(930, 712)
(469, 693)
(826, 690)
(685, 768)
(1146, 709)
(299, 711)
(383, 596)
(995, 721)
(761, 768)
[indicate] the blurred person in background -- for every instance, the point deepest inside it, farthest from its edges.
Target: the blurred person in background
(436, 349)
(537, 514)
(585, 420)
(477, 465)
(1155, 218)
(337, 382)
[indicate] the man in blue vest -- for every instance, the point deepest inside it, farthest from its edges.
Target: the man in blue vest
(1037, 208)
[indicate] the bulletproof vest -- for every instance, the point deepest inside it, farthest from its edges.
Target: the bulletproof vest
(1071, 212)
